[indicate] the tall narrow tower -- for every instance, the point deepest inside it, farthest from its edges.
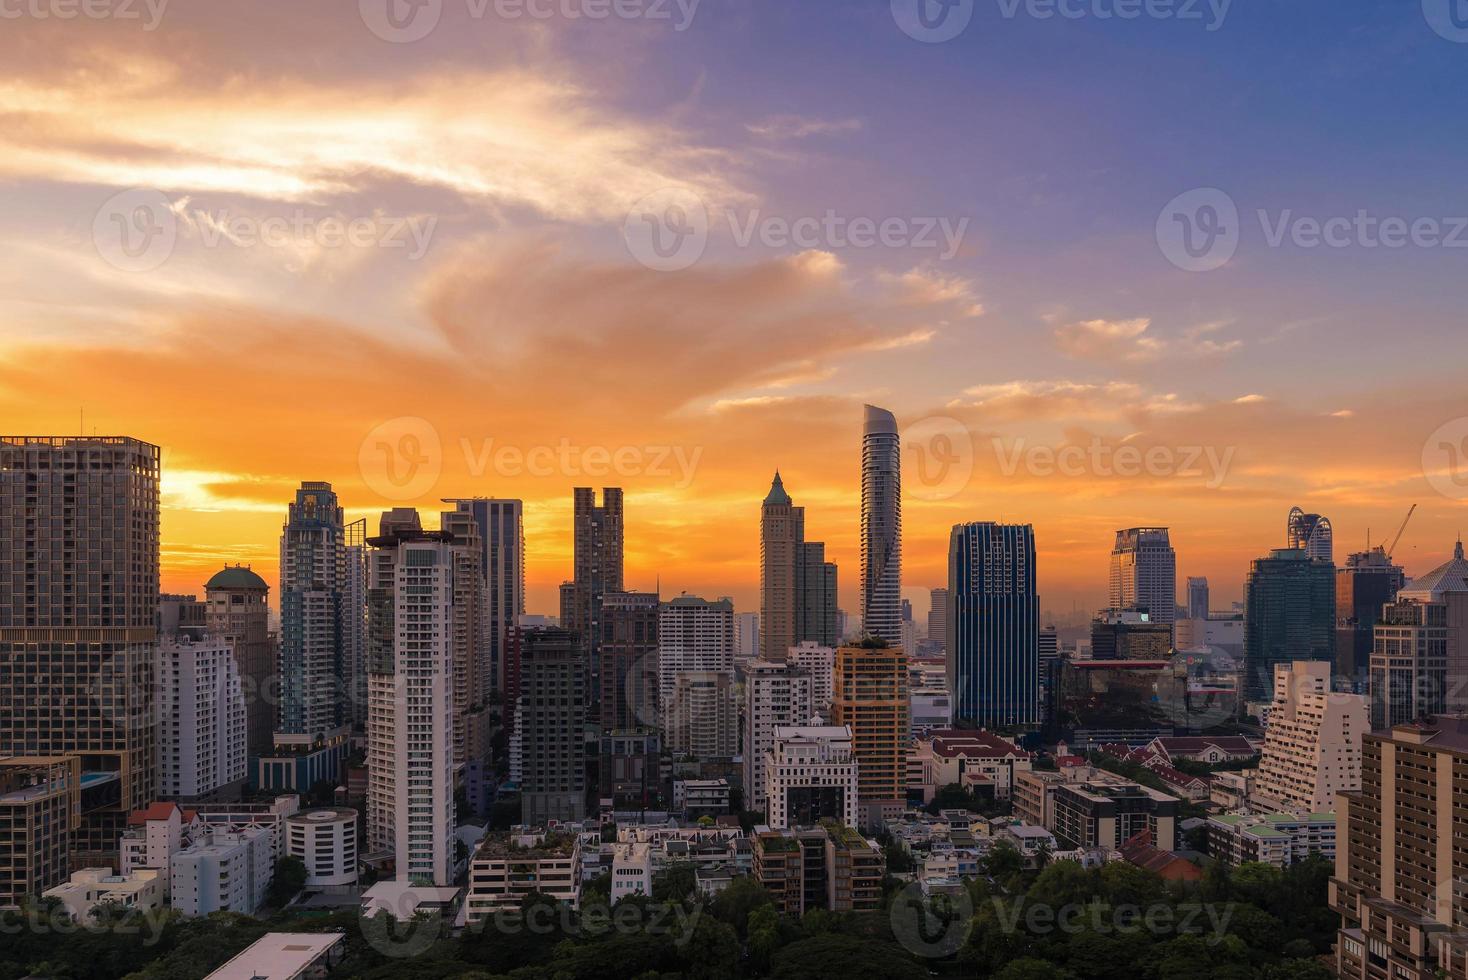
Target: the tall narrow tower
(598, 563)
(782, 534)
(881, 526)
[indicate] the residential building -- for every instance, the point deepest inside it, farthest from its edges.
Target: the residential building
(631, 871)
(203, 734)
(932, 704)
(1400, 861)
(938, 617)
(40, 811)
(993, 659)
(777, 695)
(746, 636)
(1310, 533)
(78, 615)
(881, 526)
(415, 641)
(552, 720)
(704, 720)
(872, 699)
(629, 679)
(1144, 573)
(1087, 807)
(469, 639)
(819, 663)
(237, 611)
(325, 841)
(1368, 582)
(597, 563)
(89, 888)
(508, 867)
(1447, 585)
(286, 956)
(1289, 615)
(502, 542)
(1408, 675)
(1279, 839)
(811, 774)
(829, 867)
(1312, 742)
(696, 798)
(696, 676)
(222, 872)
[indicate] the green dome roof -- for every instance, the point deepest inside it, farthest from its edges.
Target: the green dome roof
(236, 577)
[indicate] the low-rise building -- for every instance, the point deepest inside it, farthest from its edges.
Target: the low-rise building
(325, 840)
(1088, 808)
(91, 888)
(1279, 839)
(831, 867)
(696, 798)
(1231, 790)
(631, 871)
(1207, 749)
(286, 956)
(811, 774)
(222, 871)
(976, 760)
(507, 867)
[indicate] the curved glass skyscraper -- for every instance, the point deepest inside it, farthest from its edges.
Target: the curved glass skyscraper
(881, 526)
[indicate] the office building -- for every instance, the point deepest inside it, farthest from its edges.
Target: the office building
(1144, 573)
(872, 699)
(994, 611)
(203, 729)
(777, 695)
(1408, 673)
(1289, 602)
(811, 774)
(415, 631)
(1447, 586)
(696, 676)
(1367, 583)
(1311, 534)
(881, 526)
(597, 563)
(1197, 598)
(552, 724)
(78, 616)
(938, 617)
(1129, 634)
(502, 542)
(797, 584)
(1312, 742)
(237, 610)
(628, 653)
(1400, 862)
(40, 811)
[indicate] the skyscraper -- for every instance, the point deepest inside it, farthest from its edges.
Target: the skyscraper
(414, 588)
(597, 563)
(1447, 585)
(1368, 582)
(994, 617)
(202, 732)
(1197, 598)
(1408, 673)
(1144, 573)
(1289, 615)
(938, 617)
(797, 584)
(238, 612)
(552, 726)
(871, 697)
(469, 636)
(78, 617)
(696, 676)
(502, 540)
(317, 616)
(629, 661)
(881, 526)
(1311, 534)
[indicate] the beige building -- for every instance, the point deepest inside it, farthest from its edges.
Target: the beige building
(1312, 742)
(40, 808)
(92, 887)
(871, 698)
(811, 775)
(238, 611)
(507, 867)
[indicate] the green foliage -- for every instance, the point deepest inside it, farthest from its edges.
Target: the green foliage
(289, 879)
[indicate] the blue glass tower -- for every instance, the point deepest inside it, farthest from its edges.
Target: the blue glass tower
(994, 622)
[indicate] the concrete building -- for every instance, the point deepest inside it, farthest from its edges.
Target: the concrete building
(1085, 807)
(552, 721)
(631, 871)
(1279, 839)
(1312, 742)
(40, 811)
(1289, 615)
(629, 679)
(502, 542)
(746, 636)
(811, 774)
(1130, 634)
(696, 798)
(1400, 862)
(975, 760)
(89, 888)
(325, 841)
(237, 611)
(414, 634)
(1447, 586)
(881, 526)
(828, 867)
(222, 871)
(507, 867)
(203, 733)
(78, 614)
(938, 617)
(776, 695)
(1408, 674)
(872, 698)
(696, 677)
(1368, 582)
(286, 956)
(1198, 598)
(819, 663)
(597, 563)
(1144, 573)
(994, 661)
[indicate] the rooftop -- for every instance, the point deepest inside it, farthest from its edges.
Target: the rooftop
(279, 956)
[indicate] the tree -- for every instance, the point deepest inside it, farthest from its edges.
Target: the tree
(675, 884)
(1030, 968)
(289, 879)
(841, 957)
(738, 902)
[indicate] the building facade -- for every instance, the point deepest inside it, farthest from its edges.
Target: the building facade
(1367, 583)
(1312, 741)
(696, 677)
(777, 695)
(629, 679)
(881, 526)
(597, 562)
(237, 610)
(811, 774)
(502, 543)
(203, 732)
(1144, 573)
(872, 699)
(552, 721)
(1310, 533)
(1289, 615)
(994, 613)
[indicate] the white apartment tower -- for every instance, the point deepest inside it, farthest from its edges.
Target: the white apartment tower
(820, 663)
(411, 683)
(1312, 742)
(810, 775)
(777, 695)
(203, 734)
(696, 676)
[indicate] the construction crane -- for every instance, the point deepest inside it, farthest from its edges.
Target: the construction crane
(1391, 548)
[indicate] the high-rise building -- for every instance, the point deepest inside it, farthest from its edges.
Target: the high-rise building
(1144, 573)
(820, 663)
(1197, 598)
(1447, 585)
(597, 563)
(872, 699)
(354, 623)
(797, 584)
(775, 694)
(1126, 634)
(629, 661)
(470, 639)
(1408, 677)
(202, 733)
(696, 676)
(502, 540)
(238, 612)
(413, 683)
(1289, 615)
(1399, 861)
(938, 617)
(811, 774)
(994, 616)
(552, 724)
(316, 617)
(1311, 534)
(746, 636)
(40, 813)
(1312, 741)
(881, 526)
(1368, 582)
(78, 618)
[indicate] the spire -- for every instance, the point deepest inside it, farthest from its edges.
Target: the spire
(777, 494)
(1458, 548)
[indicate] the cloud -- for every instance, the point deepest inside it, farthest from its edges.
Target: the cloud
(1109, 340)
(1071, 400)
(1250, 399)
(787, 127)
(923, 286)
